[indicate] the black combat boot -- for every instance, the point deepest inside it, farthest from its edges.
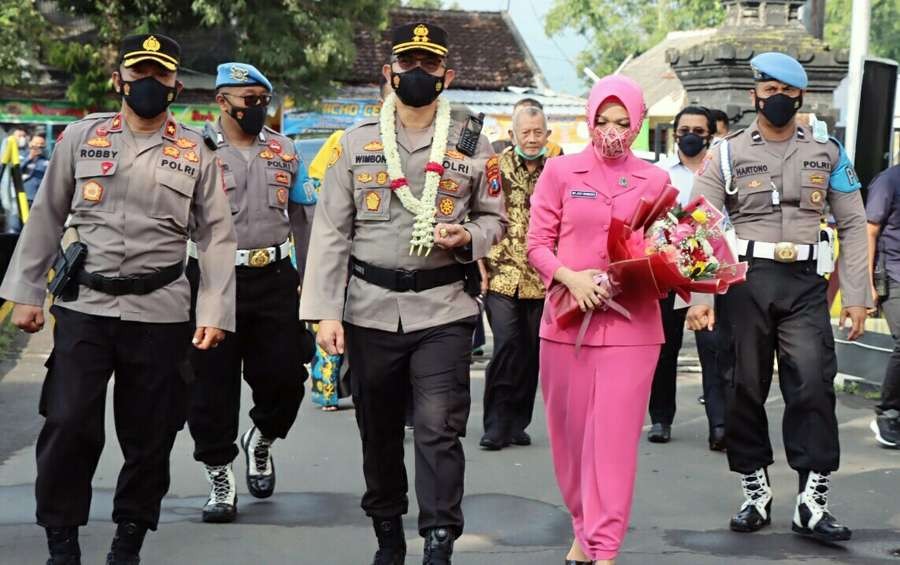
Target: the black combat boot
(811, 516)
(391, 541)
(438, 547)
(756, 510)
(63, 546)
(126, 544)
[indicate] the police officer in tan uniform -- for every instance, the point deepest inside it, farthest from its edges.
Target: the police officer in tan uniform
(130, 181)
(409, 204)
(259, 167)
(778, 179)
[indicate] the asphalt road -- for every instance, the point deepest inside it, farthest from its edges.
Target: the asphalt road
(685, 495)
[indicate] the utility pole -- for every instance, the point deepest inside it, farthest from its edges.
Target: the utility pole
(859, 48)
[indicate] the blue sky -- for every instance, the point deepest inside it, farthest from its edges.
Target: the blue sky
(555, 56)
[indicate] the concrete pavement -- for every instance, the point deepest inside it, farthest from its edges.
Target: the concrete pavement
(685, 495)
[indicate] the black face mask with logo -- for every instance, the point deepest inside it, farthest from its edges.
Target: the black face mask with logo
(691, 144)
(250, 119)
(148, 97)
(416, 87)
(779, 108)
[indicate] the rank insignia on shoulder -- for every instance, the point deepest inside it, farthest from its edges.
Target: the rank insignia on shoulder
(449, 185)
(116, 122)
(373, 201)
(281, 195)
(99, 142)
(335, 155)
(192, 156)
(282, 178)
(374, 146)
(170, 129)
(454, 154)
(288, 157)
(92, 191)
(275, 146)
(185, 143)
(446, 206)
(266, 154)
(382, 177)
(364, 177)
(170, 151)
(492, 171)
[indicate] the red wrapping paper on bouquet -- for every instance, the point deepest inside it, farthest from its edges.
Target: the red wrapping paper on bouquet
(638, 266)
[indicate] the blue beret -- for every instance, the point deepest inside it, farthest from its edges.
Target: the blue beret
(241, 74)
(780, 67)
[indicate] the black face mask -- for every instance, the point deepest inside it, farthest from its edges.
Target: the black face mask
(148, 97)
(417, 88)
(250, 119)
(691, 144)
(779, 108)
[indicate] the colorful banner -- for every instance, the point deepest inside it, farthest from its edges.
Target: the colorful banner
(58, 112)
(332, 115)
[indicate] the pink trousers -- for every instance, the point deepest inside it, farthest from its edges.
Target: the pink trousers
(596, 404)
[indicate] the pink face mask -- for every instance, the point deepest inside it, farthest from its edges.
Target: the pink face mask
(611, 142)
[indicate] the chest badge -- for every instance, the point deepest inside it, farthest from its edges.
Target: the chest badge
(382, 177)
(92, 191)
(623, 182)
(816, 197)
(170, 151)
(817, 179)
(99, 142)
(454, 154)
(364, 178)
(446, 206)
(288, 157)
(266, 154)
(754, 184)
(449, 185)
(373, 201)
(282, 178)
(102, 131)
(185, 143)
(105, 166)
(275, 146)
(374, 146)
(281, 195)
(191, 156)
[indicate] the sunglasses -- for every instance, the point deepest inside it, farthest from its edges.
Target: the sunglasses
(429, 63)
(252, 100)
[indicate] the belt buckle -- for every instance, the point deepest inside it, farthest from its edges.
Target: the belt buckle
(259, 258)
(785, 252)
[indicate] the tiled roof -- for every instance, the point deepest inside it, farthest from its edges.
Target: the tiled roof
(485, 49)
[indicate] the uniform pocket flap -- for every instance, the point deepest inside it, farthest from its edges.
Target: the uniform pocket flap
(87, 169)
(179, 182)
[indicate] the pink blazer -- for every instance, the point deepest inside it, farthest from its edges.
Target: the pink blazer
(573, 202)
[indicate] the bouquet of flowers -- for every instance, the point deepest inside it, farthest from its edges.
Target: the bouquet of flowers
(663, 247)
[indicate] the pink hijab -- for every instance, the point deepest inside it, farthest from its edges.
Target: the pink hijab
(626, 91)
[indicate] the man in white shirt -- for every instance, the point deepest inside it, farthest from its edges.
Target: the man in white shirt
(694, 129)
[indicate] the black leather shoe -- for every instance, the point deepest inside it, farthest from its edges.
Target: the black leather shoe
(827, 529)
(749, 519)
(391, 541)
(659, 433)
(491, 444)
(126, 544)
(438, 547)
(520, 438)
(717, 439)
(63, 546)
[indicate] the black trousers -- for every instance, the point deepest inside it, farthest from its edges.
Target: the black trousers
(149, 404)
(511, 379)
(436, 362)
(266, 346)
(890, 390)
(662, 394)
(782, 308)
(714, 358)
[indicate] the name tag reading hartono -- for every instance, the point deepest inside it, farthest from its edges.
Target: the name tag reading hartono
(584, 194)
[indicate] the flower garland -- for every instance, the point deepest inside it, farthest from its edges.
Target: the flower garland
(424, 208)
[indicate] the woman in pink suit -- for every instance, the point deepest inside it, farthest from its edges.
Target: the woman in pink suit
(596, 400)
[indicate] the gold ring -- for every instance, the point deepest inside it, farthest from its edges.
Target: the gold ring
(444, 232)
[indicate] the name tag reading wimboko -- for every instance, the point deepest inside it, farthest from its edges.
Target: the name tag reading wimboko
(583, 194)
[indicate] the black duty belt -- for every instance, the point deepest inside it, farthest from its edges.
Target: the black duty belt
(131, 284)
(401, 280)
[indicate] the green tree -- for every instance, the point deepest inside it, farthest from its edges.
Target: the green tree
(304, 45)
(884, 33)
(619, 28)
(426, 4)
